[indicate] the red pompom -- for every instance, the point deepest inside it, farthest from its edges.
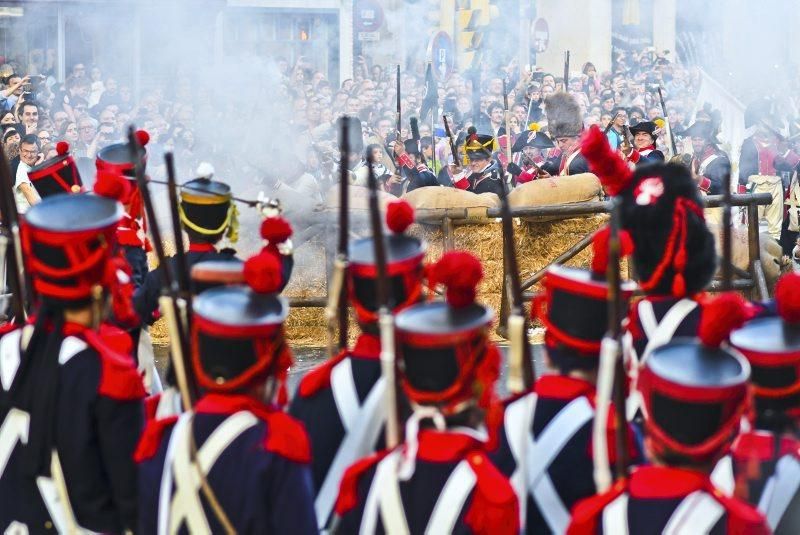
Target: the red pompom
(460, 272)
(262, 273)
(142, 137)
(613, 172)
(112, 186)
(600, 248)
(787, 297)
(276, 230)
(62, 147)
(399, 216)
(720, 316)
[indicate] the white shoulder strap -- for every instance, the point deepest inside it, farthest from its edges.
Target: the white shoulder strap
(517, 424)
(451, 501)
(697, 514)
(659, 333)
(615, 516)
(362, 424)
(384, 497)
(780, 489)
(722, 476)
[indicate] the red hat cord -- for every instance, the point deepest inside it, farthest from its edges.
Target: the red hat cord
(787, 301)
(719, 317)
(613, 171)
(262, 273)
(399, 216)
(62, 149)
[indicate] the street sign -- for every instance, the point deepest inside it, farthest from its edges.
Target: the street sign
(367, 17)
(369, 36)
(442, 55)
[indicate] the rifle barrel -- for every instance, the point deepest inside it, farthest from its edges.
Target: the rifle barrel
(14, 251)
(182, 267)
(344, 228)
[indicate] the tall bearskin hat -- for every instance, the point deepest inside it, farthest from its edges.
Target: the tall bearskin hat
(404, 256)
(772, 345)
(237, 331)
(116, 158)
(662, 210)
(695, 393)
(206, 208)
(564, 118)
(574, 306)
(56, 175)
(70, 246)
(446, 358)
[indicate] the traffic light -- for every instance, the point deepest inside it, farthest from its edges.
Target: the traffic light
(472, 18)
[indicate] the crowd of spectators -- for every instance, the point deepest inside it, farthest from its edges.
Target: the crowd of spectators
(91, 110)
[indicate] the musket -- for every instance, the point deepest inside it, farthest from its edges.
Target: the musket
(610, 381)
(566, 72)
(727, 246)
(508, 125)
(521, 374)
(611, 123)
(433, 142)
(260, 204)
(626, 137)
(181, 266)
(672, 144)
(399, 116)
(385, 318)
(172, 304)
(416, 137)
(17, 283)
(451, 141)
(337, 297)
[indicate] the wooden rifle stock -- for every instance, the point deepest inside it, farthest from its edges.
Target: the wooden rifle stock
(385, 318)
(171, 300)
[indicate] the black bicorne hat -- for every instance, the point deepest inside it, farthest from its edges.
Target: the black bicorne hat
(478, 146)
(537, 140)
(648, 127)
(57, 175)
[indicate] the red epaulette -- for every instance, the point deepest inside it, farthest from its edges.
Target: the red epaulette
(7, 328)
(587, 512)
(287, 437)
(119, 378)
(494, 507)
(348, 488)
(117, 339)
(151, 437)
(742, 517)
(320, 377)
(151, 406)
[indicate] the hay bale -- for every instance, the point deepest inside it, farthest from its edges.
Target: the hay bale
(437, 198)
(553, 191)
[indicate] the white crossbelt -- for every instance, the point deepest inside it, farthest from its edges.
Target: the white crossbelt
(362, 425)
(384, 497)
(697, 514)
(658, 333)
(780, 489)
(185, 505)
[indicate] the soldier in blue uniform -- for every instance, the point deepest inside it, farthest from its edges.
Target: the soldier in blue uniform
(131, 232)
(644, 144)
(764, 465)
(545, 442)
(695, 393)
(235, 462)
(674, 257)
(341, 402)
(70, 403)
(441, 479)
